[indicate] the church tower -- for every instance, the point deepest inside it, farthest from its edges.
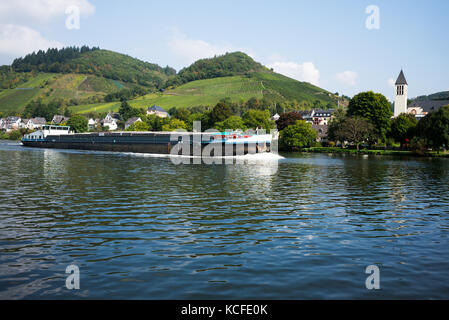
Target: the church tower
(400, 101)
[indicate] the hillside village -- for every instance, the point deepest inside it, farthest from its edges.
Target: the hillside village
(326, 125)
(113, 121)
(228, 92)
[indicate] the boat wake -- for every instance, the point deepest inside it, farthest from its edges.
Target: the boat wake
(243, 158)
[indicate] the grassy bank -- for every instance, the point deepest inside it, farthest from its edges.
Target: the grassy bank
(373, 152)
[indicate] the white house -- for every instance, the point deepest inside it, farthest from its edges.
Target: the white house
(35, 123)
(92, 123)
(113, 116)
(317, 116)
(12, 123)
(321, 117)
(110, 124)
(275, 117)
(158, 111)
(23, 123)
(110, 121)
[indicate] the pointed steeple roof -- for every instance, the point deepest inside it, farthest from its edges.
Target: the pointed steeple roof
(401, 79)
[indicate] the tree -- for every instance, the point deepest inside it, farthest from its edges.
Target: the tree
(78, 124)
(403, 128)
(297, 136)
(287, 119)
(375, 108)
(126, 111)
(219, 113)
(231, 123)
(254, 103)
(335, 123)
(355, 130)
(434, 128)
(139, 126)
(40, 109)
(258, 119)
(181, 114)
(198, 116)
(154, 122)
(174, 124)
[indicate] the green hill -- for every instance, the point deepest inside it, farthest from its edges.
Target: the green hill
(102, 63)
(230, 64)
(444, 95)
(67, 89)
(275, 88)
(73, 76)
(89, 79)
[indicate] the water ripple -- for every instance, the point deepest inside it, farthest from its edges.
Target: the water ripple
(301, 227)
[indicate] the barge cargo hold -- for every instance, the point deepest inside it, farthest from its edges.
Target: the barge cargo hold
(150, 142)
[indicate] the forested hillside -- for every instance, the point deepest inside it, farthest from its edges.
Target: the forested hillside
(230, 64)
(102, 63)
(444, 95)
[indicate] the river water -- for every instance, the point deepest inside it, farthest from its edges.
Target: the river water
(298, 227)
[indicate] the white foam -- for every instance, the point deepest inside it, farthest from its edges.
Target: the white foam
(266, 156)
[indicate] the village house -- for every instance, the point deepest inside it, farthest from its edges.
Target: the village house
(113, 116)
(58, 119)
(132, 121)
(158, 111)
(276, 117)
(321, 131)
(35, 123)
(322, 117)
(2, 124)
(111, 125)
(317, 116)
(23, 123)
(422, 108)
(307, 115)
(110, 121)
(92, 123)
(12, 123)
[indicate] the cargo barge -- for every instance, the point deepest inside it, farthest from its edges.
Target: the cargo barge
(174, 143)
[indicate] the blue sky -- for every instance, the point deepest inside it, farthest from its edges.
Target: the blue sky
(323, 42)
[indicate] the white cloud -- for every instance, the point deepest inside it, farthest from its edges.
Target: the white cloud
(302, 72)
(391, 82)
(190, 50)
(20, 40)
(40, 10)
(347, 78)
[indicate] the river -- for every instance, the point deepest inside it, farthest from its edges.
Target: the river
(301, 226)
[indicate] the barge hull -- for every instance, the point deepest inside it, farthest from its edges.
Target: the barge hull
(114, 147)
(150, 148)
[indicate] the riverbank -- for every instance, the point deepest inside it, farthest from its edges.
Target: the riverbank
(374, 152)
(14, 135)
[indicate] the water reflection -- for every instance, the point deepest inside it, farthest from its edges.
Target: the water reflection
(141, 227)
